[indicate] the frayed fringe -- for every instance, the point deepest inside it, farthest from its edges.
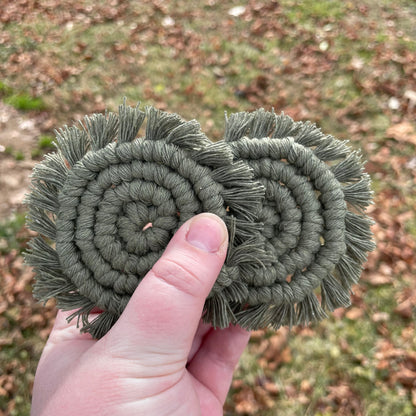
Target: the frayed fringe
(348, 271)
(188, 136)
(235, 175)
(102, 129)
(358, 246)
(43, 196)
(236, 126)
(243, 230)
(359, 194)
(285, 127)
(74, 301)
(260, 124)
(73, 143)
(359, 237)
(263, 124)
(100, 325)
(242, 200)
(217, 311)
(330, 148)
(159, 124)
(51, 285)
(309, 135)
(309, 310)
(215, 155)
(282, 315)
(253, 317)
(51, 170)
(250, 252)
(130, 121)
(360, 226)
(350, 169)
(42, 256)
(38, 221)
(333, 294)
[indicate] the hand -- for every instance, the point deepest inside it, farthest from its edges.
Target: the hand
(158, 359)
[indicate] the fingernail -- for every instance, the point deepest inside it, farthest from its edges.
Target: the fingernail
(207, 232)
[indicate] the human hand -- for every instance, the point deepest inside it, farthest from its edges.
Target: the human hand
(158, 359)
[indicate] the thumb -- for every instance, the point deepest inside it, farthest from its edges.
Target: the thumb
(164, 312)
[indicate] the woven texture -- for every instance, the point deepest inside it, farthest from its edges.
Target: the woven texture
(107, 203)
(313, 214)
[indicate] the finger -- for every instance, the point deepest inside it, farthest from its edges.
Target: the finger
(64, 330)
(214, 364)
(64, 348)
(201, 332)
(66, 336)
(164, 312)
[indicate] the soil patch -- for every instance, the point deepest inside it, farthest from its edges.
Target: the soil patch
(17, 141)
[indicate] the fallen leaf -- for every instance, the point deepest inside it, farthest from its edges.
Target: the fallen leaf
(402, 132)
(380, 317)
(354, 313)
(405, 377)
(246, 403)
(377, 279)
(405, 309)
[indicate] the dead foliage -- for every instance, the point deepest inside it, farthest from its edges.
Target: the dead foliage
(350, 68)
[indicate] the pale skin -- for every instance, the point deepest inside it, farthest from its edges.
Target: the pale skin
(158, 359)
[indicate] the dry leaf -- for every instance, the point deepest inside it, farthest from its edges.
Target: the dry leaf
(402, 132)
(354, 313)
(405, 309)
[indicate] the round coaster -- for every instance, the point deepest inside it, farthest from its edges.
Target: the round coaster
(315, 227)
(107, 203)
(111, 202)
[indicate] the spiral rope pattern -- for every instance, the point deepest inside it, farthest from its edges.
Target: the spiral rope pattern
(292, 198)
(315, 196)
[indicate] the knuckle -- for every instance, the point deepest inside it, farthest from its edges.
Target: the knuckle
(179, 276)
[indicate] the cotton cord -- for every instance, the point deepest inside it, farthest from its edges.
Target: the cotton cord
(313, 214)
(107, 203)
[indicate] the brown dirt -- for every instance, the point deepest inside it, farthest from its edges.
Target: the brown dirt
(17, 134)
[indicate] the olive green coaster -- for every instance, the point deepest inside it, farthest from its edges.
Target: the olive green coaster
(316, 229)
(107, 203)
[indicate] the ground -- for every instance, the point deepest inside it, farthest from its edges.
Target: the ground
(347, 66)
(18, 135)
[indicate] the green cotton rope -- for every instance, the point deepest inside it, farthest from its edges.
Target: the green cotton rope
(313, 215)
(293, 200)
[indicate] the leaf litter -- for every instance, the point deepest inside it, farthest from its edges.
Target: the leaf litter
(337, 67)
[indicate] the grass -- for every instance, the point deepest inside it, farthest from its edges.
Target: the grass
(21, 100)
(309, 12)
(12, 235)
(25, 102)
(18, 155)
(44, 145)
(333, 62)
(338, 352)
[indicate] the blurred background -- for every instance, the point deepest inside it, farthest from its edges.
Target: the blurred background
(349, 66)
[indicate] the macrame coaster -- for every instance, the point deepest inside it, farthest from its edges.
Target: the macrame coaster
(111, 202)
(315, 226)
(107, 204)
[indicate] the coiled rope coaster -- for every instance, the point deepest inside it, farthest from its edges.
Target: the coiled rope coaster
(107, 203)
(314, 218)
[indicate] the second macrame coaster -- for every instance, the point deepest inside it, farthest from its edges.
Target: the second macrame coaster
(107, 203)
(315, 226)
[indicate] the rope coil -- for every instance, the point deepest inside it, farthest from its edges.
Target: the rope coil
(309, 216)
(111, 201)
